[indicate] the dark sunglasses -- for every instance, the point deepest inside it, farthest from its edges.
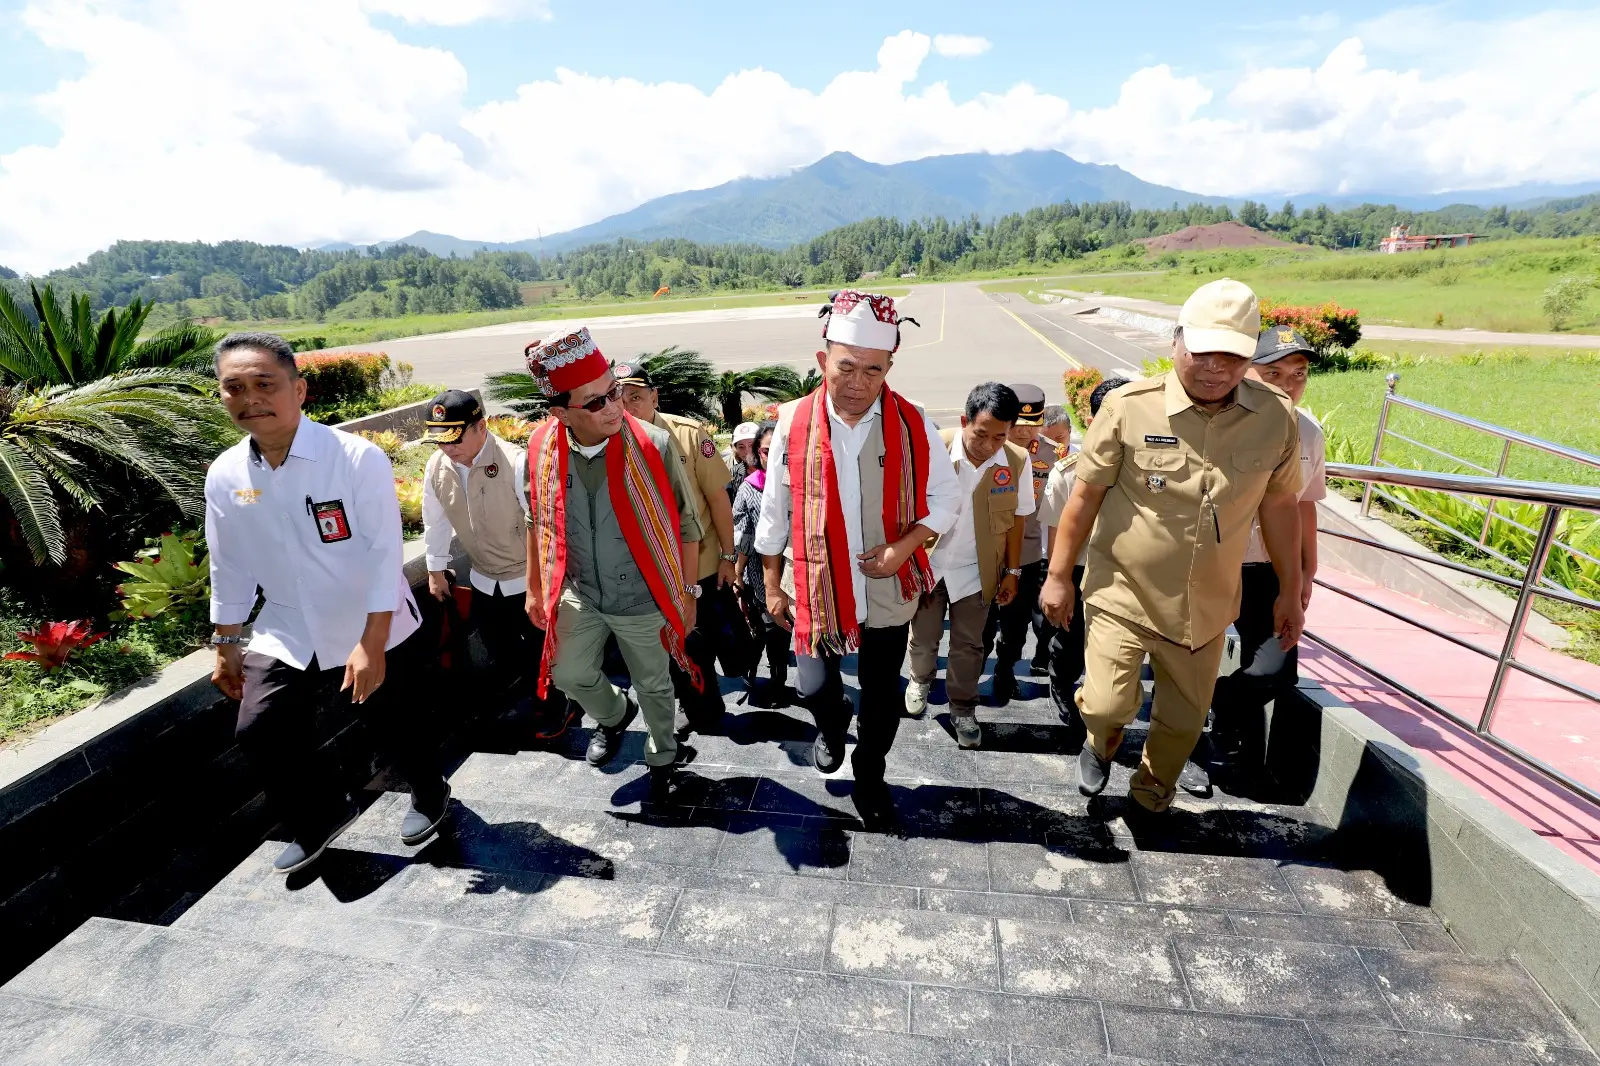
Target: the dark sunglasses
(597, 404)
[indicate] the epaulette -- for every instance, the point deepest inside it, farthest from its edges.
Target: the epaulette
(1067, 462)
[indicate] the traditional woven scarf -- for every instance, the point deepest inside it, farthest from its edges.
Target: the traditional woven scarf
(825, 602)
(643, 501)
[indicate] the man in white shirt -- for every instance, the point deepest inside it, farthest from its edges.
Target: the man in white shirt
(308, 515)
(1238, 733)
(475, 488)
(978, 562)
(841, 534)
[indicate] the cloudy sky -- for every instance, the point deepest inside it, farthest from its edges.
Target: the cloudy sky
(307, 121)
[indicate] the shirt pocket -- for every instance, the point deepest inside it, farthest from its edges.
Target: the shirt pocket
(1251, 468)
(1161, 476)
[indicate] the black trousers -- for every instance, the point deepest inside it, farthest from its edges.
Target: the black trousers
(277, 728)
(878, 665)
(1011, 621)
(1239, 703)
(1066, 657)
(514, 644)
(703, 708)
(774, 641)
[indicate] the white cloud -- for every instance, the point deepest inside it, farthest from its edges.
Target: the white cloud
(352, 134)
(458, 12)
(960, 46)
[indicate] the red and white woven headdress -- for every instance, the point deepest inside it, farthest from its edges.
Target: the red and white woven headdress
(565, 362)
(863, 320)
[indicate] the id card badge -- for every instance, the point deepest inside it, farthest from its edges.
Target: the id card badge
(332, 525)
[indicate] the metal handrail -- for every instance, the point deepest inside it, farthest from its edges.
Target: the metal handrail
(1554, 498)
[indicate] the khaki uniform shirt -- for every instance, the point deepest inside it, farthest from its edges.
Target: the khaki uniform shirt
(1184, 488)
(1042, 455)
(706, 474)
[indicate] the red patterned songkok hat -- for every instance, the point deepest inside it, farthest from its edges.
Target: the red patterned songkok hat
(863, 320)
(565, 362)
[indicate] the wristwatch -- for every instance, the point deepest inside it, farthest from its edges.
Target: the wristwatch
(218, 638)
(1013, 573)
(729, 557)
(692, 590)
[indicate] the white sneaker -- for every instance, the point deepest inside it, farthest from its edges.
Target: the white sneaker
(917, 698)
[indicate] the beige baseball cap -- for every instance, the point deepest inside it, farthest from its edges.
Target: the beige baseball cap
(1221, 316)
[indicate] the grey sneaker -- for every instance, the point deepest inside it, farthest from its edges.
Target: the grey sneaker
(917, 698)
(969, 734)
(1093, 772)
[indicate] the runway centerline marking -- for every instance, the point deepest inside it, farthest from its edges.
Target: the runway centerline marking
(1046, 341)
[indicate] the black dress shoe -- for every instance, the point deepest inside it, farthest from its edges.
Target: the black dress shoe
(1003, 688)
(302, 853)
(1093, 772)
(423, 820)
(607, 739)
(663, 784)
(555, 721)
(827, 752)
(875, 804)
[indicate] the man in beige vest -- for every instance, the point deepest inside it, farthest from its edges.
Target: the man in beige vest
(842, 533)
(1176, 468)
(978, 562)
(475, 489)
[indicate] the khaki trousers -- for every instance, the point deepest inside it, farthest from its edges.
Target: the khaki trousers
(1114, 651)
(581, 633)
(964, 665)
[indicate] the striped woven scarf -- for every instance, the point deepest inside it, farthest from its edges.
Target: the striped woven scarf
(644, 503)
(825, 602)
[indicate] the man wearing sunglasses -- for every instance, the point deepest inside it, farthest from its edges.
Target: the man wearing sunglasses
(613, 547)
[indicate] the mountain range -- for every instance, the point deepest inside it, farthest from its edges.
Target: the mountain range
(841, 188)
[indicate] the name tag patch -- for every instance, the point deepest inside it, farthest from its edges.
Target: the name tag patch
(332, 525)
(1151, 438)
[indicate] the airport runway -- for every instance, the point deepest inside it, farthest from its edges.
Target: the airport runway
(966, 336)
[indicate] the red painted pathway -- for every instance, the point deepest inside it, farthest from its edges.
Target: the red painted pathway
(1555, 726)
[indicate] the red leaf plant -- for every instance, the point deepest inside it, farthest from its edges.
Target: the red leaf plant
(54, 642)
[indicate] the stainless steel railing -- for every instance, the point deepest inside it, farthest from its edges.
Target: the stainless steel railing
(1554, 498)
(1507, 437)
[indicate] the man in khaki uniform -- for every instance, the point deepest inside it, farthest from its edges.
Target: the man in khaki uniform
(977, 562)
(1176, 468)
(707, 476)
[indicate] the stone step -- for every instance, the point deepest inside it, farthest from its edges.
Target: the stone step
(708, 976)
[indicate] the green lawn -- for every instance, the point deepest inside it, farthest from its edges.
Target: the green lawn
(361, 331)
(1553, 396)
(1495, 285)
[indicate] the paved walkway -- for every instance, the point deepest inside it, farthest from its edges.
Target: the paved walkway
(1550, 723)
(1009, 922)
(1376, 332)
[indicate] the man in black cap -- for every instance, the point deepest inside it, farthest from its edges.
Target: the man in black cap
(1011, 620)
(708, 477)
(1238, 733)
(475, 489)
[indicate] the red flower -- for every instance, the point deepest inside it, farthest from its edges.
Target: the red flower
(54, 642)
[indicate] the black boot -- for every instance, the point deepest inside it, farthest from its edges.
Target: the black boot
(1003, 687)
(607, 740)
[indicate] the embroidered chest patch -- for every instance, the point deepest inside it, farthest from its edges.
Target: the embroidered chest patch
(1002, 476)
(708, 449)
(1155, 482)
(245, 497)
(492, 470)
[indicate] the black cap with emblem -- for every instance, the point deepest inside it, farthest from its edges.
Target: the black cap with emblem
(632, 374)
(1032, 397)
(1276, 342)
(449, 415)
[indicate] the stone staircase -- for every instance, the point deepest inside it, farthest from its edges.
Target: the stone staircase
(1008, 922)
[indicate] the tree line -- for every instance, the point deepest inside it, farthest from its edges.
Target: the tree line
(241, 279)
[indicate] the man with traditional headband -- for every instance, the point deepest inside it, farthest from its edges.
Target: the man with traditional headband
(613, 542)
(850, 503)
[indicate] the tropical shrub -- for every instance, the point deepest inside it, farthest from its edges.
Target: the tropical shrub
(1079, 384)
(167, 577)
(409, 493)
(510, 428)
(54, 642)
(1563, 299)
(1325, 327)
(69, 346)
(771, 382)
(338, 377)
(387, 440)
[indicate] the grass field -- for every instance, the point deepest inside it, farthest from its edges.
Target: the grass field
(1496, 285)
(1553, 396)
(361, 331)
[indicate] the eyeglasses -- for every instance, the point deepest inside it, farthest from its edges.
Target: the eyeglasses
(598, 403)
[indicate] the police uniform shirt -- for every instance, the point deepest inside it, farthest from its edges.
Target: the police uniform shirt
(1184, 487)
(320, 536)
(1042, 455)
(1057, 491)
(707, 473)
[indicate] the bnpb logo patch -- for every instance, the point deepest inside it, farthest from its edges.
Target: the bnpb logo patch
(1002, 476)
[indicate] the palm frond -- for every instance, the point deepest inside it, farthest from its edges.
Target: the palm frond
(56, 334)
(184, 346)
(518, 391)
(23, 357)
(28, 493)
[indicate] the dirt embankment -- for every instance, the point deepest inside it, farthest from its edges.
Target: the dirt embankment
(1219, 235)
